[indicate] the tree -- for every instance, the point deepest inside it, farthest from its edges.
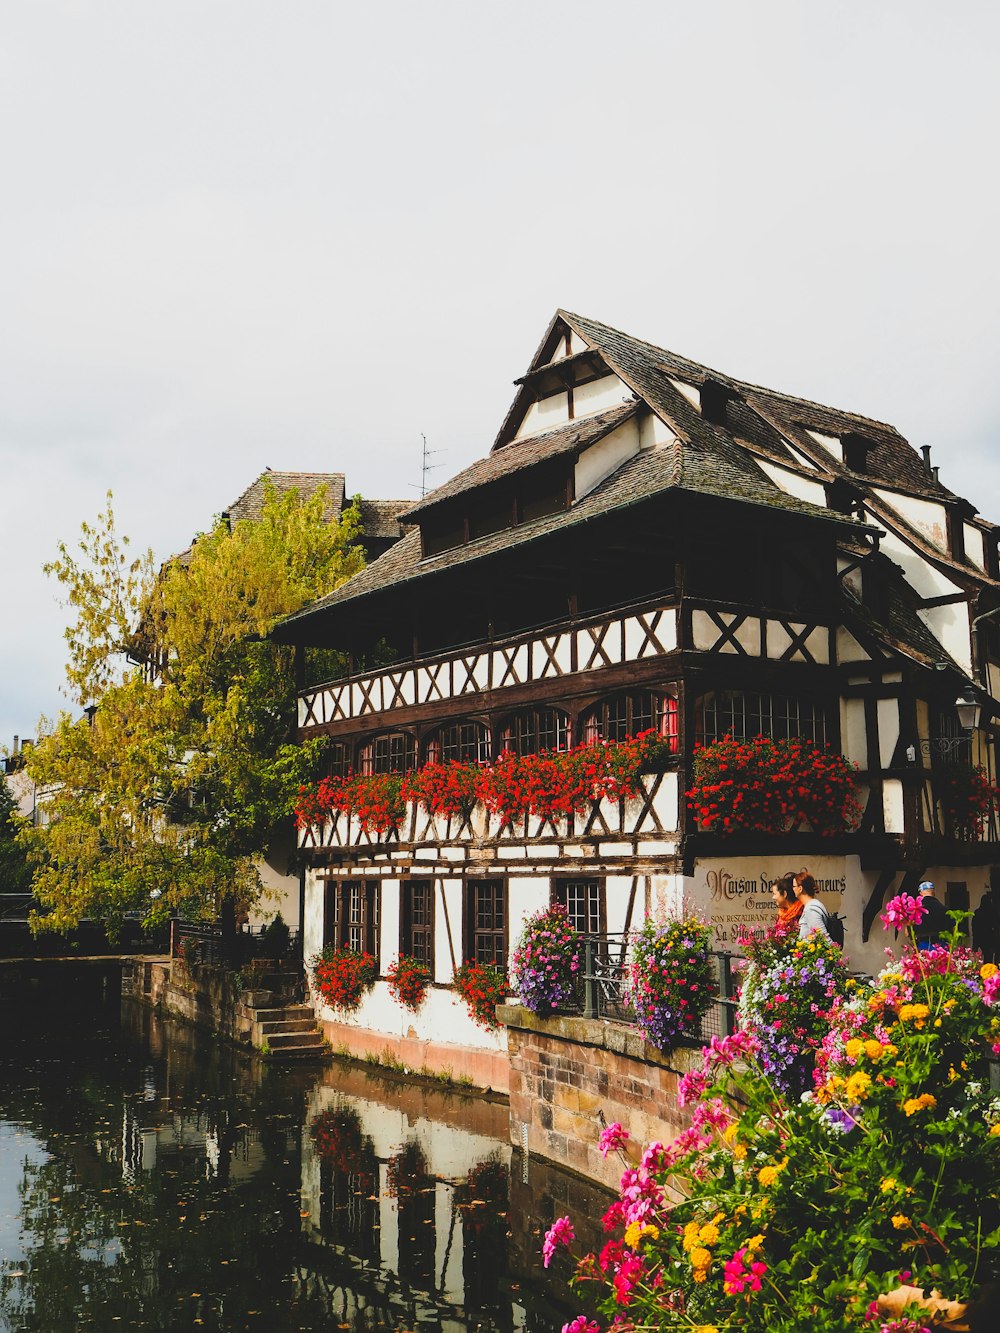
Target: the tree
(164, 794)
(15, 872)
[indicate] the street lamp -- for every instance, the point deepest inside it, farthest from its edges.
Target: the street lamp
(968, 708)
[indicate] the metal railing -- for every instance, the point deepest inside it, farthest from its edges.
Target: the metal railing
(603, 991)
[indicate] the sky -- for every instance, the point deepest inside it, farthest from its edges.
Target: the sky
(300, 235)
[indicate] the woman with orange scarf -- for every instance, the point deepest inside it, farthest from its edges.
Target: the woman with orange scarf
(789, 907)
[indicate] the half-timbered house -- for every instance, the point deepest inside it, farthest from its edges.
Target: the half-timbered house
(651, 544)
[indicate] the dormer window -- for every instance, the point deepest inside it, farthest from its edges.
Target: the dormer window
(856, 449)
(714, 397)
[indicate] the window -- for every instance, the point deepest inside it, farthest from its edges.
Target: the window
(416, 920)
(745, 714)
(464, 742)
(395, 752)
(584, 901)
(626, 715)
(534, 730)
(337, 760)
(351, 915)
(486, 921)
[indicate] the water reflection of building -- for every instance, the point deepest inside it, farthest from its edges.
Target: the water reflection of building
(392, 1212)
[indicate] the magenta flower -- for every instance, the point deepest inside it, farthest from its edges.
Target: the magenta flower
(581, 1324)
(613, 1136)
(559, 1233)
(902, 912)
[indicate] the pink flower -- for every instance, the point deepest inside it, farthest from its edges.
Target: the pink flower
(991, 988)
(612, 1137)
(691, 1086)
(902, 912)
(559, 1233)
(630, 1272)
(738, 1276)
(581, 1324)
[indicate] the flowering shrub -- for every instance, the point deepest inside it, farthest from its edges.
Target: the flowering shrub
(408, 981)
(377, 801)
(671, 979)
(552, 784)
(772, 786)
(968, 799)
(762, 948)
(482, 987)
(444, 789)
(792, 997)
(871, 1201)
(546, 962)
(342, 977)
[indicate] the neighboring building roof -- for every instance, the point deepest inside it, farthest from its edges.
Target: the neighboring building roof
(251, 503)
(380, 518)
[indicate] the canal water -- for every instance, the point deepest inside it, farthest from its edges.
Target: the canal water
(153, 1178)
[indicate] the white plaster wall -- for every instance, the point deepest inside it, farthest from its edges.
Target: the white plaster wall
(854, 736)
(975, 546)
(888, 729)
(892, 805)
(922, 576)
(599, 395)
(653, 432)
(312, 930)
(792, 484)
(605, 457)
(544, 414)
(576, 343)
(688, 391)
(525, 895)
(924, 515)
(831, 443)
(951, 625)
(848, 648)
(617, 893)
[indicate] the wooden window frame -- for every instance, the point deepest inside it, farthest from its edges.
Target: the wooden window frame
(473, 934)
(663, 714)
(371, 763)
(559, 893)
(417, 941)
(434, 748)
(513, 724)
(753, 713)
(351, 909)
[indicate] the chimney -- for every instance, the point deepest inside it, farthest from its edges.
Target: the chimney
(17, 745)
(934, 474)
(925, 449)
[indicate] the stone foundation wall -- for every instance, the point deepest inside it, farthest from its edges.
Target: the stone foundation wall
(571, 1076)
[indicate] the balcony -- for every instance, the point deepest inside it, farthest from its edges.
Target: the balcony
(633, 634)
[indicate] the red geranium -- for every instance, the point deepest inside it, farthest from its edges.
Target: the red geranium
(408, 980)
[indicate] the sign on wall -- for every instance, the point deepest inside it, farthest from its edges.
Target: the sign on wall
(735, 892)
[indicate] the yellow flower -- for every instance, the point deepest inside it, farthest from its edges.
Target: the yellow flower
(888, 1184)
(874, 1049)
(690, 1236)
(700, 1274)
(729, 1133)
(988, 970)
(857, 1087)
(914, 1104)
(636, 1231)
(853, 1048)
(994, 1131)
(709, 1234)
(918, 1012)
(754, 1243)
(706, 1328)
(767, 1175)
(937, 1022)
(700, 1257)
(900, 1221)
(739, 1151)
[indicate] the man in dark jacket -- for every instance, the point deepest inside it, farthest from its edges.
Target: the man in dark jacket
(935, 922)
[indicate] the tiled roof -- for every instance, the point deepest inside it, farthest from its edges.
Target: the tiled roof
(650, 473)
(522, 454)
(380, 518)
(251, 503)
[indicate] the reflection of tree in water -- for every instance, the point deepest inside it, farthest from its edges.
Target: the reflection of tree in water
(408, 1176)
(482, 1201)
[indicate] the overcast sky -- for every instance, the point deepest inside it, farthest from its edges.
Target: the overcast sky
(297, 235)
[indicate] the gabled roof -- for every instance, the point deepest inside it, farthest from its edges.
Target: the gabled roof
(251, 503)
(569, 438)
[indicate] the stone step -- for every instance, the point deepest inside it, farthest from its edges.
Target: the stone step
(283, 1041)
(305, 1024)
(287, 1011)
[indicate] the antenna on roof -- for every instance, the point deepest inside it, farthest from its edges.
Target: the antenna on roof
(425, 466)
